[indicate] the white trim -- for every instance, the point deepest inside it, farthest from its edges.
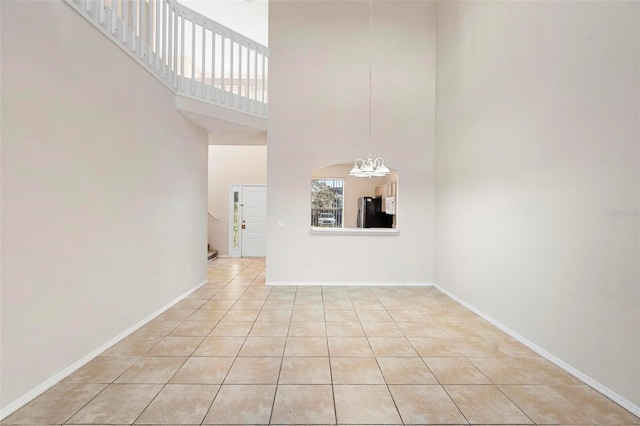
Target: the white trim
(628, 405)
(350, 284)
(44, 386)
(354, 231)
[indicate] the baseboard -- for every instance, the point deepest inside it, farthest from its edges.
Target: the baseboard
(349, 284)
(628, 405)
(44, 386)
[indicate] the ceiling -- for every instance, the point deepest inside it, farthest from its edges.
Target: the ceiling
(225, 126)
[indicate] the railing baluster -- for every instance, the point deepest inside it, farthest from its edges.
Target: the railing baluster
(248, 88)
(114, 17)
(263, 88)
(143, 30)
(134, 26)
(204, 60)
(150, 31)
(223, 95)
(213, 63)
(239, 84)
(164, 39)
(156, 27)
(193, 57)
(102, 12)
(171, 53)
(255, 86)
(174, 34)
(182, 54)
(231, 91)
(125, 21)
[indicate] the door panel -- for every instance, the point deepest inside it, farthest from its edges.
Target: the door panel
(254, 217)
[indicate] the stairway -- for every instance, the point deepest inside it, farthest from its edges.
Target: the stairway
(211, 253)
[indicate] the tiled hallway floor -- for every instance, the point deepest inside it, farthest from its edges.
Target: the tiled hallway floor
(237, 352)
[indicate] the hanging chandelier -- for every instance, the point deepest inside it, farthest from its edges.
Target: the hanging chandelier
(370, 168)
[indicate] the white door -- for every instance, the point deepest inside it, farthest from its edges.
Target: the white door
(253, 232)
(247, 220)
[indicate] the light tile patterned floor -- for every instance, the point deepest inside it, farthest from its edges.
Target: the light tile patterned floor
(237, 352)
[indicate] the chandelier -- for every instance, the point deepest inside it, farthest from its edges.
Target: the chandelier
(369, 168)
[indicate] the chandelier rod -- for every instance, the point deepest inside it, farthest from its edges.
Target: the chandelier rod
(370, 66)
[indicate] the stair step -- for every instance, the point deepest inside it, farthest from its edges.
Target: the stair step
(212, 254)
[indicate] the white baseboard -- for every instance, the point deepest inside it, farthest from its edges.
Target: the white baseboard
(628, 405)
(44, 386)
(348, 284)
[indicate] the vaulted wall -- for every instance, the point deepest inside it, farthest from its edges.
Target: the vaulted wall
(104, 194)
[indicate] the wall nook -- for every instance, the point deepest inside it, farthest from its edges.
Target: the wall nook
(340, 201)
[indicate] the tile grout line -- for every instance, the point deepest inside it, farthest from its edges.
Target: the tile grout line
(333, 391)
(220, 386)
(434, 376)
(284, 350)
(378, 364)
(230, 367)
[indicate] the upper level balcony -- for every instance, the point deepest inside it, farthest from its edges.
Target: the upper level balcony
(218, 75)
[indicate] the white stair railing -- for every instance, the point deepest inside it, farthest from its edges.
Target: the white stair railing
(191, 54)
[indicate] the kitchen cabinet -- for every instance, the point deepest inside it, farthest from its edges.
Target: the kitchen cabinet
(387, 190)
(378, 191)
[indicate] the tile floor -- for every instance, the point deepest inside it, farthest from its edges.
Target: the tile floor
(237, 352)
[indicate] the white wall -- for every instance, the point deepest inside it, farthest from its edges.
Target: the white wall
(230, 165)
(103, 194)
(319, 115)
(537, 138)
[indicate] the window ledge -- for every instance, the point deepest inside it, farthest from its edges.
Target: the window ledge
(354, 231)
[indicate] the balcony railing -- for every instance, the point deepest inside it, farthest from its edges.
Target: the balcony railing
(191, 54)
